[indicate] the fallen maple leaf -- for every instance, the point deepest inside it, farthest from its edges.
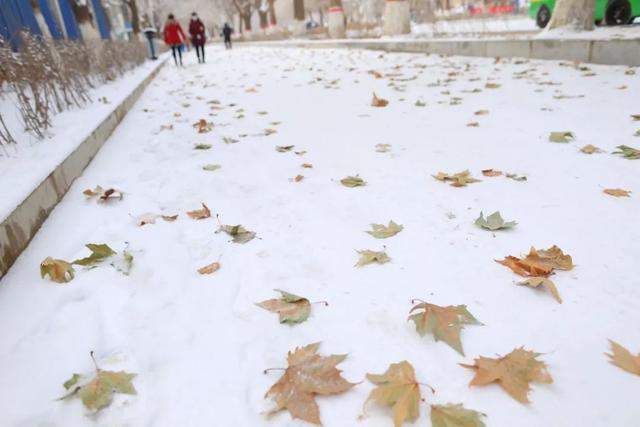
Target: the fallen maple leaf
(284, 148)
(623, 359)
(494, 222)
(202, 146)
(229, 140)
(298, 178)
(473, 124)
(513, 372)
(209, 269)
(420, 103)
(103, 195)
(58, 270)
(455, 415)
(378, 102)
(307, 165)
(169, 218)
(515, 177)
(99, 253)
(590, 149)
(375, 74)
(211, 167)
(307, 375)
(444, 323)
(564, 136)
(148, 218)
(369, 257)
(539, 263)
(397, 388)
(203, 126)
(383, 148)
(491, 172)
(459, 179)
(200, 213)
(238, 232)
(98, 392)
(291, 308)
(535, 282)
(380, 231)
(617, 192)
(300, 153)
(353, 181)
(491, 86)
(628, 152)
(481, 112)
(635, 117)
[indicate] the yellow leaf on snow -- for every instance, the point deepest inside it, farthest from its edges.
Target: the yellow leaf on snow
(378, 102)
(513, 372)
(397, 388)
(455, 416)
(307, 375)
(209, 269)
(538, 263)
(617, 192)
(623, 359)
(534, 282)
(58, 270)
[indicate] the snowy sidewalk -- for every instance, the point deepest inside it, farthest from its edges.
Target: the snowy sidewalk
(199, 344)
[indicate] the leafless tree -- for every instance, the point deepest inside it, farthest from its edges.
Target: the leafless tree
(135, 15)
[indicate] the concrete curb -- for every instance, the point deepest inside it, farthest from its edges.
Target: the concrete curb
(21, 225)
(606, 52)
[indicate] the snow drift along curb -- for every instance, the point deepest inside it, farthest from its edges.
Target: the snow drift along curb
(21, 225)
(606, 52)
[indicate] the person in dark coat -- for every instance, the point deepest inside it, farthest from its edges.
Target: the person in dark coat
(226, 33)
(198, 37)
(174, 37)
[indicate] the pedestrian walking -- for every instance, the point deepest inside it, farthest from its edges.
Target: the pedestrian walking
(226, 33)
(198, 37)
(174, 37)
(150, 33)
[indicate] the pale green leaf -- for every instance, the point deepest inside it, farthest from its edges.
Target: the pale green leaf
(369, 257)
(238, 232)
(564, 136)
(99, 252)
(380, 231)
(353, 181)
(494, 222)
(455, 415)
(211, 167)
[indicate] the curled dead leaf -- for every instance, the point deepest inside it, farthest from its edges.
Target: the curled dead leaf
(617, 192)
(200, 213)
(378, 102)
(58, 270)
(209, 269)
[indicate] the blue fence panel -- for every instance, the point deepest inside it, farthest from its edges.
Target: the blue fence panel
(101, 18)
(10, 22)
(28, 18)
(51, 19)
(70, 24)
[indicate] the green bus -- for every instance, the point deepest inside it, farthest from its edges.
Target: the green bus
(610, 12)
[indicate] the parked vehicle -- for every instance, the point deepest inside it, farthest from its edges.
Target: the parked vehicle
(610, 12)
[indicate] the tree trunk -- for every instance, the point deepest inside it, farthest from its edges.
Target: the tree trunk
(574, 13)
(272, 13)
(135, 16)
(247, 21)
(423, 10)
(298, 10)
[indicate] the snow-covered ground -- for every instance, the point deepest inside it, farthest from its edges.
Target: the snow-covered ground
(23, 166)
(479, 26)
(199, 343)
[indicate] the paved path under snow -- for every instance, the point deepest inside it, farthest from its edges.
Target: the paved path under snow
(199, 343)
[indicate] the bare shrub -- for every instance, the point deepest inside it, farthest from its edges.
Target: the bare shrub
(47, 76)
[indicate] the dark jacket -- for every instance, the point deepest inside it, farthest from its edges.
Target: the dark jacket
(196, 31)
(226, 31)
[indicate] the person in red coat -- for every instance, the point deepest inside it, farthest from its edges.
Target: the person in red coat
(174, 37)
(198, 37)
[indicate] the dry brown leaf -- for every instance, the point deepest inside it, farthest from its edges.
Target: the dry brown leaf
(590, 149)
(623, 359)
(481, 112)
(209, 269)
(513, 372)
(307, 165)
(473, 124)
(375, 74)
(538, 263)
(102, 194)
(307, 375)
(169, 218)
(378, 102)
(397, 388)
(491, 172)
(58, 270)
(200, 213)
(492, 86)
(617, 192)
(203, 126)
(298, 178)
(459, 179)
